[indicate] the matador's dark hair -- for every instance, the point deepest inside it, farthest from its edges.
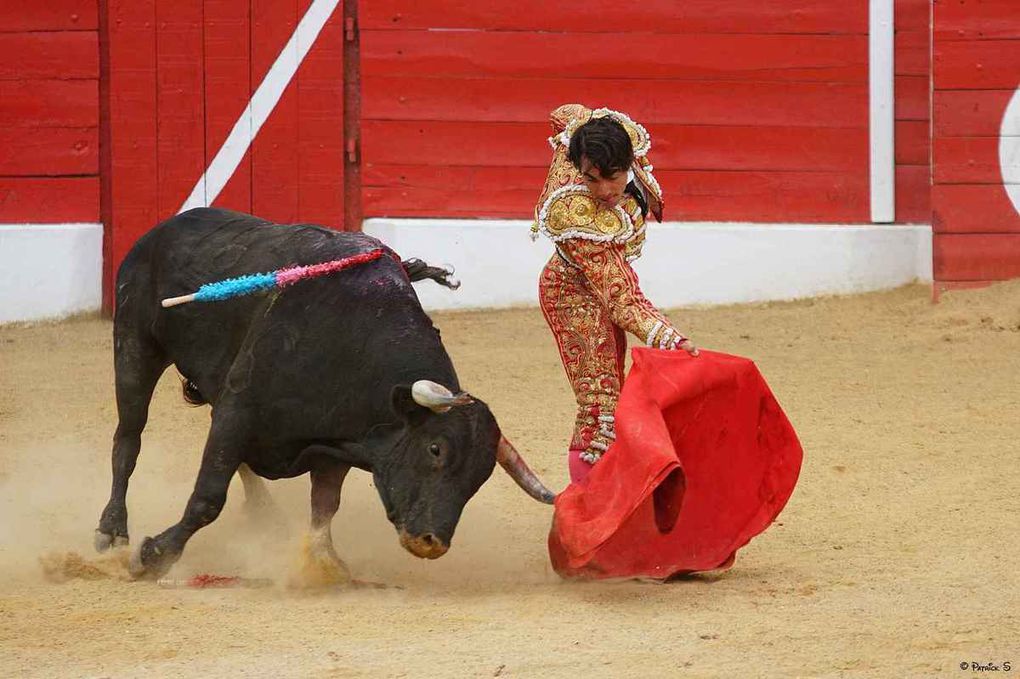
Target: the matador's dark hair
(605, 143)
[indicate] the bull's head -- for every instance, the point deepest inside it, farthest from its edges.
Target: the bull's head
(445, 451)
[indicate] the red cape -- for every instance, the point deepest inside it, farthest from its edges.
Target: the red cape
(704, 460)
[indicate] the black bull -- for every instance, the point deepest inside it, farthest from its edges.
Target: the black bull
(341, 371)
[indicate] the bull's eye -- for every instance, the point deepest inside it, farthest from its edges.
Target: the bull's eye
(434, 449)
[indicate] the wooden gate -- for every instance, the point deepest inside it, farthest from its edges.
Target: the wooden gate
(234, 103)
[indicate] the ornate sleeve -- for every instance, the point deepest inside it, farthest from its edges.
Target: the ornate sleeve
(616, 285)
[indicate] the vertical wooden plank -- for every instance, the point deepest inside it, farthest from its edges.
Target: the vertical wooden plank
(180, 147)
(913, 15)
(913, 103)
(227, 89)
(132, 120)
(320, 83)
(354, 162)
(105, 159)
(274, 151)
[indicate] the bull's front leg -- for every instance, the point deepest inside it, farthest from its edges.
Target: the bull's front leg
(320, 566)
(155, 556)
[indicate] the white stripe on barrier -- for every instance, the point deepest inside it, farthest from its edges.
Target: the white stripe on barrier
(1009, 150)
(261, 105)
(882, 124)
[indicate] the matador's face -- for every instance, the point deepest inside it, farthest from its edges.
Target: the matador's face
(608, 190)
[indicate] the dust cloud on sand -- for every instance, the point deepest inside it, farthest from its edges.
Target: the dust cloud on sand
(896, 555)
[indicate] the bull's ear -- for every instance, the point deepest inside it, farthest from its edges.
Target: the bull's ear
(404, 406)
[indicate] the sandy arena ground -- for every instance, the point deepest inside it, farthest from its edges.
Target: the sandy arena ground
(898, 555)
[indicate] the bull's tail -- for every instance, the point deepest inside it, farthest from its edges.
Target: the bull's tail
(191, 393)
(418, 270)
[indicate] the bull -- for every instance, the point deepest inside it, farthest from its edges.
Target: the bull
(333, 373)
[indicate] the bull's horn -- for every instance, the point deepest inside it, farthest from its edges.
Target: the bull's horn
(436, 397)
(510, 460)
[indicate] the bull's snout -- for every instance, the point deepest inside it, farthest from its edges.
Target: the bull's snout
(425, 546)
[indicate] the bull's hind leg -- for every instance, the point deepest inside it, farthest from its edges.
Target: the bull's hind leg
(259, 507)
(320, 565)
(257, 499)
(220, 461)
(138, 363)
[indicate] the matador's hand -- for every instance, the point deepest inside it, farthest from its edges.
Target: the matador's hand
(689, 347)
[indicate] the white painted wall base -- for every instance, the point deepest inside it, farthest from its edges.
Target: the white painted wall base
(53, 270)
(49, 270)
(683, 263)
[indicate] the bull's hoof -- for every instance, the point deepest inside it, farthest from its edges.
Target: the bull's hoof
(104, 541)
(318, 565)
(148, 562)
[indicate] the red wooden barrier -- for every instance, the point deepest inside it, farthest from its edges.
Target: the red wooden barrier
(973, 208)
(132, 174)
(182, 75)
(967, 160)
(812, 58)
(691, 102)
(977, 49)
(49, 151)
(604, 16)
(977, 20)
(228, 75)
(48, 15)
(180, 104)
(64, 55)
(320, 124)
(976, 257)
(757, 112)
(49, 111)
(912, 109)
(913, 192)
(49, 199)
(691, 147)
(274, 152)
(976, 64)
(26, 104)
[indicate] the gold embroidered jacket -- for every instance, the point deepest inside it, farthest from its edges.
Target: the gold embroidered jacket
(588, 290)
